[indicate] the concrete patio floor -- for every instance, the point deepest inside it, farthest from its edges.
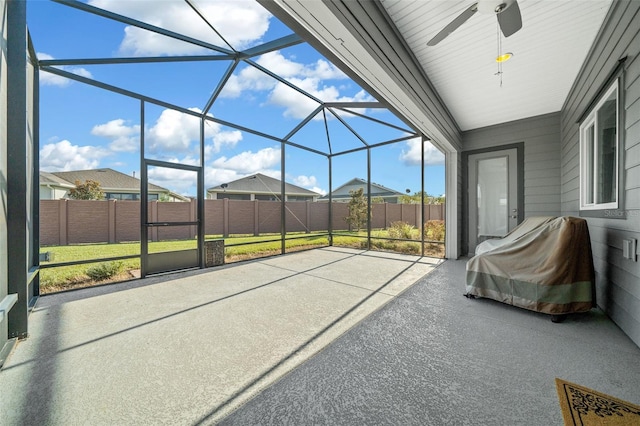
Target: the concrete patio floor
(433, 357)
(190, 347)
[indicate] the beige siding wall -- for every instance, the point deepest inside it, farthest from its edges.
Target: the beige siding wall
(618, 279)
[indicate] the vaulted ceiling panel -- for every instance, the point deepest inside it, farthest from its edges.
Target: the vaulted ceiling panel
(547, 54)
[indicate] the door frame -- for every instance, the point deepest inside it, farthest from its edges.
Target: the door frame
(153, 263)
(519, 147)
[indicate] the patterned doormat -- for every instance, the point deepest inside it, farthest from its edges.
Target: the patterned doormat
(585, 407)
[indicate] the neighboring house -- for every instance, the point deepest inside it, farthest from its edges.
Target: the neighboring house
(341, 194)
(53, 187)
(260, 187)
(116, 185)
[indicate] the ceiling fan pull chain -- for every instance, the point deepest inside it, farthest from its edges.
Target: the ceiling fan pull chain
(499, 73)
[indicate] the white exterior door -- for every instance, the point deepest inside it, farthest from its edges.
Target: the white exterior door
(493, 195)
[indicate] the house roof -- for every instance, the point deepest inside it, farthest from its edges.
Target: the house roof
(47, 178)
(376, 190)
(261, 184)
(109, 179)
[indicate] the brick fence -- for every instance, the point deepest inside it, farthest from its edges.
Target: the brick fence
(64, 222)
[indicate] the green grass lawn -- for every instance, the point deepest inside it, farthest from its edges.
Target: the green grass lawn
(65, 277)
(237, 248)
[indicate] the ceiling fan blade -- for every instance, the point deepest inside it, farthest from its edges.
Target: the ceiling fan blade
(510, 19)
(453, 25)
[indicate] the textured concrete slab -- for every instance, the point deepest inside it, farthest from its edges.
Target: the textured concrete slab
(433, 357)
(190, 347)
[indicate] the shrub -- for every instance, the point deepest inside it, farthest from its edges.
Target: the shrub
(434, 230)
(400, 229)
(104, 271)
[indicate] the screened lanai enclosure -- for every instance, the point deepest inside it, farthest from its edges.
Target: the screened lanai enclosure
(234, 116)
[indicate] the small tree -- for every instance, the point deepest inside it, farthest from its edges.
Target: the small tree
(416, 198)
(89, 190)
(357, 209)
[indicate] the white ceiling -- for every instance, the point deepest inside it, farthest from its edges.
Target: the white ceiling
(548, 53)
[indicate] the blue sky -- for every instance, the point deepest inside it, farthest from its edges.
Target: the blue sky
(83, 127)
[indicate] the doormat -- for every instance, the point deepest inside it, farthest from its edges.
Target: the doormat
(585, 407)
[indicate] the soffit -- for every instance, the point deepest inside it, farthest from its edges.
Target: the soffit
(548, 51)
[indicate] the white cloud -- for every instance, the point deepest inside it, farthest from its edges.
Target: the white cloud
(124, 138)
(308, 77)
(248, 162)
(305, 181)
(227, 139)
(250, 78)
(63, 156)
(319, 190)
(183, 182)
(241, 22)
(310, 183)
(173, 132)
(412, 156)
(48, 79)
(223, 169)
(214, 176)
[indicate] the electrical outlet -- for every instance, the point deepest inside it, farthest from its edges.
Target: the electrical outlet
(629, 248)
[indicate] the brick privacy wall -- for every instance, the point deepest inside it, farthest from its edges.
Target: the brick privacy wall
(242, 216)
(127, 221)
(378, 215)
(214, 214)
(318, 217)
(94, 215)
(75, 221)
(269, 214)
(296, 216)
(175, 212)
(340, 211)
(49, 222)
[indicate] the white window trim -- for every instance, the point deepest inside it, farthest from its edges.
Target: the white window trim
(584, 126)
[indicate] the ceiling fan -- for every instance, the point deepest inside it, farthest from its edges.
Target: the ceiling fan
(507, 12)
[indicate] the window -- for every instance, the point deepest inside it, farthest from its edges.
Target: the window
(599, 154)
(127, 196)
(262, 197)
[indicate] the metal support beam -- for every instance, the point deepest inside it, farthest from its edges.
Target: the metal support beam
(135, 60)
(220, 86)
(330, 224)
(34, 261)
(369, 199)
(200, 208)
(283, 205)
(144, 201)
(279, 44)
(422, 194)
(133, 22)
(18, 174)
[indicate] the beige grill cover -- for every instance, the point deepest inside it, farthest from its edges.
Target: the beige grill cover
(544, 265)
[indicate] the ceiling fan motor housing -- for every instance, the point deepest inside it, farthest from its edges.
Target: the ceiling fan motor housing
(494, 6)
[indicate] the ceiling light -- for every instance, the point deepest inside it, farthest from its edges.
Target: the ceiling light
(504, 58)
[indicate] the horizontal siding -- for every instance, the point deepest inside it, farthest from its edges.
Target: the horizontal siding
(461, 213)
(632, 161)
(617, 279)
(542, 170)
